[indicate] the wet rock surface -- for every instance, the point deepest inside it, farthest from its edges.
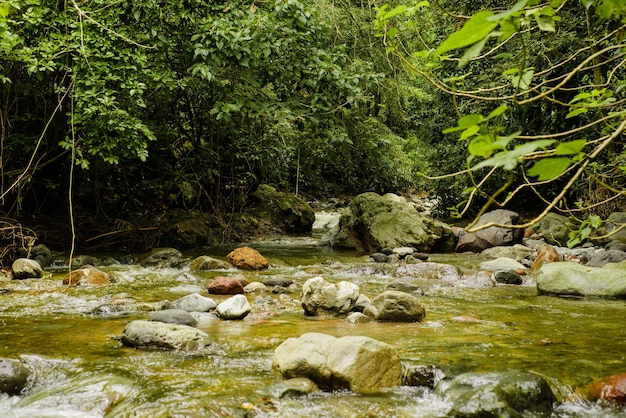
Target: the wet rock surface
(357, 363)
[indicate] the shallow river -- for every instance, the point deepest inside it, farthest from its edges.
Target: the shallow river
(79, 369)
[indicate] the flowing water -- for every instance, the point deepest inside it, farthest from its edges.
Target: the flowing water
(67, 338)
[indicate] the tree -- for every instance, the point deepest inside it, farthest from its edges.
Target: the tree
(546, 116)
(153, 105)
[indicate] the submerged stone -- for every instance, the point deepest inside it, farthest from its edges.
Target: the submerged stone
(497, 394)
(86, 277)
(13, 376)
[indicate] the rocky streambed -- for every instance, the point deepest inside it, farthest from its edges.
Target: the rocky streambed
(307, 337)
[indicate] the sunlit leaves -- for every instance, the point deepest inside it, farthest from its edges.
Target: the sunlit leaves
(474, 30)
(509, 159)
(584, 231)
(549, 168)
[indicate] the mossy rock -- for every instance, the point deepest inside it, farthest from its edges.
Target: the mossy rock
(285, 211)
(373, 222)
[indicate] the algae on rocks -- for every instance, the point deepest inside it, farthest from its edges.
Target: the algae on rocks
(286, 211)
(373, 222)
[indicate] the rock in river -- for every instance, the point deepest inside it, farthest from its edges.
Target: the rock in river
(373, 222)
(86, 277)
(223, 285)
(236, 307)
(173, 316)
(394, 306)
(25, 268)
(497, 394)
(152, 334)
(361, 364)
(247, 258)
(611, 388)
(194, 302)
(13, 376)
(572, 279)
(320, 297)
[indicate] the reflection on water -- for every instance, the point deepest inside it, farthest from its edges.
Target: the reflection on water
(78, 366)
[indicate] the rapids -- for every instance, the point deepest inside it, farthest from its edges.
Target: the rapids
(67, 338)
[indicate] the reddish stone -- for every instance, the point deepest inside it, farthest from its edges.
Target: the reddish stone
(247, 258)
(225, 286)
(86, 277)
(611, 388)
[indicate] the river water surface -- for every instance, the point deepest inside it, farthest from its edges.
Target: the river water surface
(67, 338)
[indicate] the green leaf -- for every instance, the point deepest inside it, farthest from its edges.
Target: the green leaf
(469, 132)
(503, 141)
(481, 146)
(497, 111)
(509, 159)
(571, 147)
(4, 9)
(465, 122)
(595, 221)
(472, 31)
(523, 81)
(545, 23)
(472, 52)
(549, 168)
(516, 8)
(576, 111)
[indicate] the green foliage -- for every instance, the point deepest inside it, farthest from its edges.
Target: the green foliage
(193, 104)
(583, 232)
(554, 74)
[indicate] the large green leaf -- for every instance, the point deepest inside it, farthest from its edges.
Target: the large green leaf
(571, 147)
(474, 30)
(509, 159)
(549, 168)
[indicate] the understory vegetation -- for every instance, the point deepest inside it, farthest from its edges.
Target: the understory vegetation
(113, 114)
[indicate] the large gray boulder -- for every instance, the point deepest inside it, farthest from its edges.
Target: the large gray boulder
(492, 236)
(603, 257)
(572, 279)
(286, 211)
(555, 229)
(497, 394)
(320, 297)
(373, 222)
(614, 227)
(395, 306)
(152, 334)
(361, 364)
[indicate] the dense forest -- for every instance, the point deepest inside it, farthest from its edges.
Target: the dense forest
(115, 115)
